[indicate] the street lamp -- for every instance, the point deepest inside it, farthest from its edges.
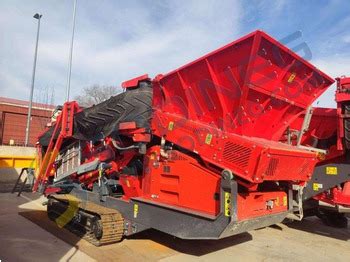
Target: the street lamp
(38, 17)
(71, 53)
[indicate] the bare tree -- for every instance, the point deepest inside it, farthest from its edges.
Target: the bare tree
(45, 96)
(95, 94)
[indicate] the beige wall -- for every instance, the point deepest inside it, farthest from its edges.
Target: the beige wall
(17, 150)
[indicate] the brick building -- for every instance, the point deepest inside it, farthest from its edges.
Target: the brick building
(13, 120)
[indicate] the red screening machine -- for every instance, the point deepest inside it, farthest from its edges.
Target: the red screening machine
(327, 194)
(217, 147)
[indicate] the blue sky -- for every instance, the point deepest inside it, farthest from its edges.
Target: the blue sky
(118, 40)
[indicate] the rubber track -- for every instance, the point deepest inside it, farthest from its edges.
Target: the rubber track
(111, 220)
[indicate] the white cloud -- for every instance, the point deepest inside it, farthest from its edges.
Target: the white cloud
(334, 66)
(346, 39)
(118, 40)
(114, 41)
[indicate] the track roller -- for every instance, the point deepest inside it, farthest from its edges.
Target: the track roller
(96, 224)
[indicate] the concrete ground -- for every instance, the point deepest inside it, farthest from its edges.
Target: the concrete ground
(26, 234)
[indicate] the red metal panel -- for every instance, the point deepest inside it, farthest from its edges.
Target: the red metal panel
(248, 157)
(323, 124)
(134, 82)
(342, 98)
(339, 195)
(344, 83)
(250, 205)
(181, 182)
(254, 86)
(63, 129)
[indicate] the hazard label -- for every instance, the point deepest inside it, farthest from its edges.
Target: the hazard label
(317, 186)
(171, 126)
(136, 210)
(227, 204)
(332, 170)
(291, 77)
(208, 139)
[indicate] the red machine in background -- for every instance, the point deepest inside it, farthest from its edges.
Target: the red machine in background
(327, 194)
(217, 147)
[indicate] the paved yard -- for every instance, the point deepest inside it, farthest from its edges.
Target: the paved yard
(26, 234)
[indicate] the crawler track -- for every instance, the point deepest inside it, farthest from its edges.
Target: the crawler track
(96, 224)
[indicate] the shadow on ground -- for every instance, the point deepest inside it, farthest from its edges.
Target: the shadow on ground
(315, 226)
(192, 247)
(22, 241)
(155, 244)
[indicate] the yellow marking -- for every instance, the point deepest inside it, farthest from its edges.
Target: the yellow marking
(332, 170)
(50, 157)
(285, 201)
(277, 201)
(136, 210)
(208, 139)
(73, 207)
(171, 126)
(18, 161)
(321, 156)
(153, 156)
(316, 186)
(127, 183)
(227, 204)
(291, 77)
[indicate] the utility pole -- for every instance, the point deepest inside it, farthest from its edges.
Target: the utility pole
(38, 17)
(71, 53)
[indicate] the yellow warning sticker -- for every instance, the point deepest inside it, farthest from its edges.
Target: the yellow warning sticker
(208, 139)
(316, 186)
(136, 210)
(277, 202)
(291, 77)
(285, 201)
(227, 204)
(332, 170)
(171, 126)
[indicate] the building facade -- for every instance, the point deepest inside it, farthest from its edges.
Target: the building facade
(13, 121)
